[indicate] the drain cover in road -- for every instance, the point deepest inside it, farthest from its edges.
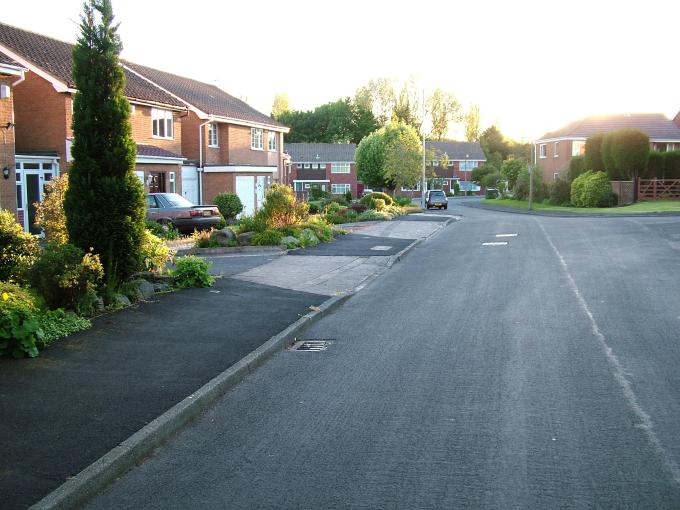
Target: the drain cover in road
(311, 345)
(381, 248)
(498, 243)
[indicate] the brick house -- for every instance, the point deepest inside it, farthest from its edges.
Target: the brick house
(43, 107)
(463, 158)
(330, 166)
(230, 145)
(11, 74)
(553, 151)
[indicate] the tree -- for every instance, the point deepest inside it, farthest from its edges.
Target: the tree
(479, 173)
(656, 165)
(281, 105)
(403, 155)
(370, 160)
(444, 109)
(593, 156)
(407, 106)
(577, 166)
(104, 204)
(511, 168)
(472, 124)
(492, 140)
(379, 97)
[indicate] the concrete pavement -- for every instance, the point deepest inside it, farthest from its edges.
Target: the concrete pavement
(541, 373)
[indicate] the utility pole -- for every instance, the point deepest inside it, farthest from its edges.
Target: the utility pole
(531, 185)
(423, 183)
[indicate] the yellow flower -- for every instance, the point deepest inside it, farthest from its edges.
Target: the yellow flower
(5, 296)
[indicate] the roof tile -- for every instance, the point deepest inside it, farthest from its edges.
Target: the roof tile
(656, 125)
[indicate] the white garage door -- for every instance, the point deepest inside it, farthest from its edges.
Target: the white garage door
(190, 183)
(245, 189)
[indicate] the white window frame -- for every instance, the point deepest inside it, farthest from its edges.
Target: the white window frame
(162, 118)
(344, 186)
(341, 168)
(556, 176)
(171, 183)
(577, 148)
(417, 188)
(213, 135)
(272, 143)
(256, 139)
(556, 150)
(542, 151)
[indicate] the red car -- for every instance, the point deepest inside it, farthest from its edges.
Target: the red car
(173, 209)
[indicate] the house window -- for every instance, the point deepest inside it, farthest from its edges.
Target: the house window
(132, 109)
(417, 188)
(308, 165)
(213, 136)
(542, 151)
(340, 189)
(171, 182)
(556, 152)
(322, 166)
(467, 165)
(161, 121)
(340, 168)
(256, 139)
(271, 140)
(299, 165)
(20, 195)
(556, 176)
(578, 148)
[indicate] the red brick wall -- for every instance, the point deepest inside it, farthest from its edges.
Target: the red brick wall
(551, 164)
(40, 114)
(219, 182)
(350, 178)
(142, 130)
(8, 190)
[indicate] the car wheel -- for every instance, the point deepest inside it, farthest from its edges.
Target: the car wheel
(446, 207)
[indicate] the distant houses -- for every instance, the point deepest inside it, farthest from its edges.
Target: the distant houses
(554, 150)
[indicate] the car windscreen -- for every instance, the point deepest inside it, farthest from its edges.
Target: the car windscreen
(174, 200)
(437, 194)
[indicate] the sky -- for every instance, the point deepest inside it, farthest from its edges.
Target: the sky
(531, 66)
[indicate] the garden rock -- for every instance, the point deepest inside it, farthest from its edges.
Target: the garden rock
(99, 305)
(309, 236)
(246, 237)
(120, 301)
(224, 237)
(160, 287)
(290, 240)
(144, 289)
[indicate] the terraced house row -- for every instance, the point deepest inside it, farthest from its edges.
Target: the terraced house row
(192, 138)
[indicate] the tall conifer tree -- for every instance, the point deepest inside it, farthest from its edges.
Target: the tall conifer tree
(104, 204)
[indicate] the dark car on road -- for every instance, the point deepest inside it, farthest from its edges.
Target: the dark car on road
(171, 209)
(436, 198)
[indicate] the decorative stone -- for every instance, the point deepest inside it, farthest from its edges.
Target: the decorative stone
(120, 301)
(224, 237)
(246, 237)
(99, 305)
(160, 287)
(288, 240)
(145, 289)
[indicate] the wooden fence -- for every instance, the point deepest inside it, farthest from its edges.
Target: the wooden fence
(656, 189)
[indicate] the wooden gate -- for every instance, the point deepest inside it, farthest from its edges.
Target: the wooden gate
(656, 189)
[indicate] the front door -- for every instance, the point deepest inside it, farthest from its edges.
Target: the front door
(259, 190)
(156, 182)
(32, 176)
(245, 189)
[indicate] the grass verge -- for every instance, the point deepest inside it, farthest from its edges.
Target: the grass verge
(640, 207)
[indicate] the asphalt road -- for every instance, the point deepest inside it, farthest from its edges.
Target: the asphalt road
(538, 374)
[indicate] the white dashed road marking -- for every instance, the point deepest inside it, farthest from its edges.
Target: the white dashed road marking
(498, 243)
(381, 248)
(506, 235)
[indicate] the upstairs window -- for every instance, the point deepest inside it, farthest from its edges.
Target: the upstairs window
(556, 151)
(256, 139)
(541, 151)
(340, 168)
(213, 136)
(578, 148)
(271, 139)
(161, 121)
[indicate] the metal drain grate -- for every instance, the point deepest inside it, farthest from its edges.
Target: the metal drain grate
(311, 345)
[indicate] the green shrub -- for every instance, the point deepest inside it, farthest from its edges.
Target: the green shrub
(50, 214)
(521, 189)
(255, 223)
(308, 238)
(168, 232)
(577, 166)
(402, 201)
(367, 199)
(204, 239)
(229, 205)
(267, 238)
(191, 271)
(314, 207)
(57, 324)
(282, 208)
(449, 194)
(18, 249)
(67, 277)
(332, 207)
(591, 189)
(655, 165)
(491, 193)
(672, 164)
(560, 192)
(348, 196)
(20, 330)
(316, 193)
(155, 254)
(359, 208)
(372, 215)
(321, 229)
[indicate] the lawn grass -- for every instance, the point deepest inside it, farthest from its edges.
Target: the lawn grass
(640, 207)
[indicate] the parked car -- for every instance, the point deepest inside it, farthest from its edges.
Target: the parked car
(367, 191)
(436, 198)
(174, 210)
